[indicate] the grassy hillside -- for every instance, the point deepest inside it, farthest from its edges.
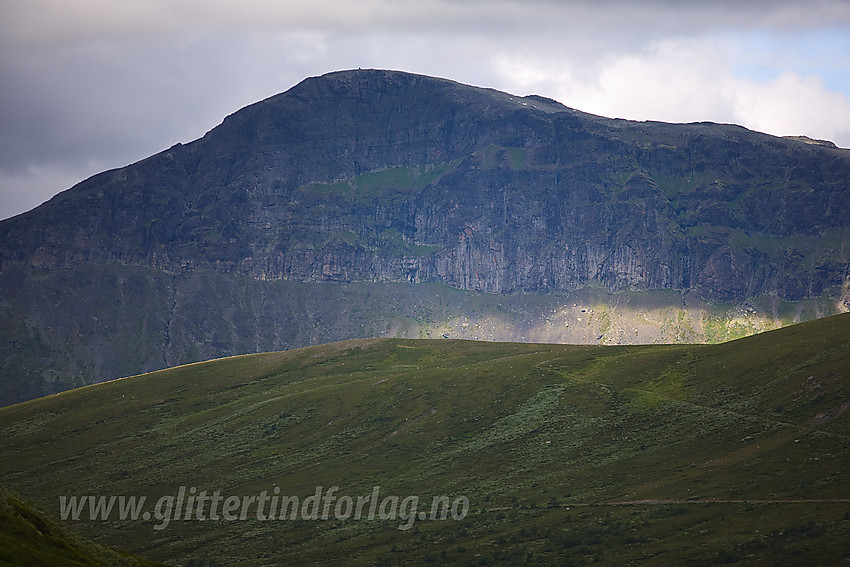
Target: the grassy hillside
(681, 454)
(28, 537)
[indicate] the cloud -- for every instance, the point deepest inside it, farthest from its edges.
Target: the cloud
(684, 81)
(59, 20)
(665, 81)
(792, 104)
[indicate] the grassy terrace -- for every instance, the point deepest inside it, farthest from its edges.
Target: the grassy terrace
(688, 454)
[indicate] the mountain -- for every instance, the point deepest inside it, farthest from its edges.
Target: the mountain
(538, 454)
(318, 214)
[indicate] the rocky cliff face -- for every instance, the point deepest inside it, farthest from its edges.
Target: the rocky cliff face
(386, 176)
(379, 176)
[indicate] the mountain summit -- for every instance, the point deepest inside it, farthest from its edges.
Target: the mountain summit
(372, 178)
(380, 175)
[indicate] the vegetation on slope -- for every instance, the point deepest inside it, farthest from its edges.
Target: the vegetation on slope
(677, 454)
(29, 538)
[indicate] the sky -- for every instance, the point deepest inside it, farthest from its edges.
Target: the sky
(91, 85)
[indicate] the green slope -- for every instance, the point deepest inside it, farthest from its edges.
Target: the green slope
(28, 537)
(668, 455)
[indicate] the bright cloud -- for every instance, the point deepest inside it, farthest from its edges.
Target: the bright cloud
(685, 81)
(792, 104)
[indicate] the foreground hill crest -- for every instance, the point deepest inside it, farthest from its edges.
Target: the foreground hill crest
(685, 454)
